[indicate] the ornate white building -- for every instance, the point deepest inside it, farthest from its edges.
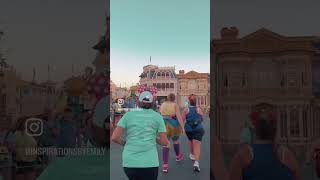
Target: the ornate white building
(164, 78)
(267, 71)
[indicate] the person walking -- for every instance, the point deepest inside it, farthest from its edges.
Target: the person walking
(140, 156)
(170, 112)
(67, 137)
(264, 159)
(194, 129)
(26, 162)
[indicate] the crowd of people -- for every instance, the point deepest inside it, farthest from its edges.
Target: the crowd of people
(149, 125)
(66, 129)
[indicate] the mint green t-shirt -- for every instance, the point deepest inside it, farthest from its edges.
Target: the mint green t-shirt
(142, 127)
(84, 167)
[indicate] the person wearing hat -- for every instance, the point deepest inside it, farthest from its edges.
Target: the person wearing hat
(144, 129)
(264, 159)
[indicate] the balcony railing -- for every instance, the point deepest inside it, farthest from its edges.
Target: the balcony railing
(255, 92)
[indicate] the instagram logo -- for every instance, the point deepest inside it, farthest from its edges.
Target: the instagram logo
(34, 127)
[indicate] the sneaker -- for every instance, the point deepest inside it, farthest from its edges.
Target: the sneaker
(196, 167)
(191, 157)
(179, 157)
(165, 168)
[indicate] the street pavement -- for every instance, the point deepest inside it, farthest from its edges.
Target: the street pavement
(178, 170)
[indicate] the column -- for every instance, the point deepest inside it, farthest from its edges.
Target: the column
(300, 110)
(279, 130)
(288, 124)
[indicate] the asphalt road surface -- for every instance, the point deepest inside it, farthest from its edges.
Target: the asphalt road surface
(177, 170)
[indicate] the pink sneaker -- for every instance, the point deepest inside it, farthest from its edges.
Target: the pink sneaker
(165, 168)
(179, 157)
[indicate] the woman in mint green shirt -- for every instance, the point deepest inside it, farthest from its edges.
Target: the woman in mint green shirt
(144, 129)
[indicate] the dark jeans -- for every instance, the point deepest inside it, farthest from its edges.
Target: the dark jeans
(142, 173)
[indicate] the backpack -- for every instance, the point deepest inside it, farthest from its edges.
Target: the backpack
(194, 122)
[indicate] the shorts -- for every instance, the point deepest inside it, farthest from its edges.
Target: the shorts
(173, 128)
(141, 173)
(196, 134)
(24, 167)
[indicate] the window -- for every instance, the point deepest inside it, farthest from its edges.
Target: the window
(167, 85)
(172, 85)
(282, 82)
(244, 80)
(292, 79)
(283, 124)
(302, 79)
(305, 123)
(167, 75)
(163, 85)
(294, 123)
(158, 85)
(154, 84)
(226, 81)
(205, 100)
(163, 74)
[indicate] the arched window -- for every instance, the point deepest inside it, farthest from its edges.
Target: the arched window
(167, 75)
(163, 74)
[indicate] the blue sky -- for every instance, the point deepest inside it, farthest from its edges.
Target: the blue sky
(175, 33)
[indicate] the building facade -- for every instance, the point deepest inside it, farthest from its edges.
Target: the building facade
(193, 83)
(36, 98)
(164, 78)
(266, 71)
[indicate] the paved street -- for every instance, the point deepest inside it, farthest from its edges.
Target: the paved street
(181, 170)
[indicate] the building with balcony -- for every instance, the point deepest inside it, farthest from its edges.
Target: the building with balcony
(164, 78)
(35, 98)
(267, 71)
